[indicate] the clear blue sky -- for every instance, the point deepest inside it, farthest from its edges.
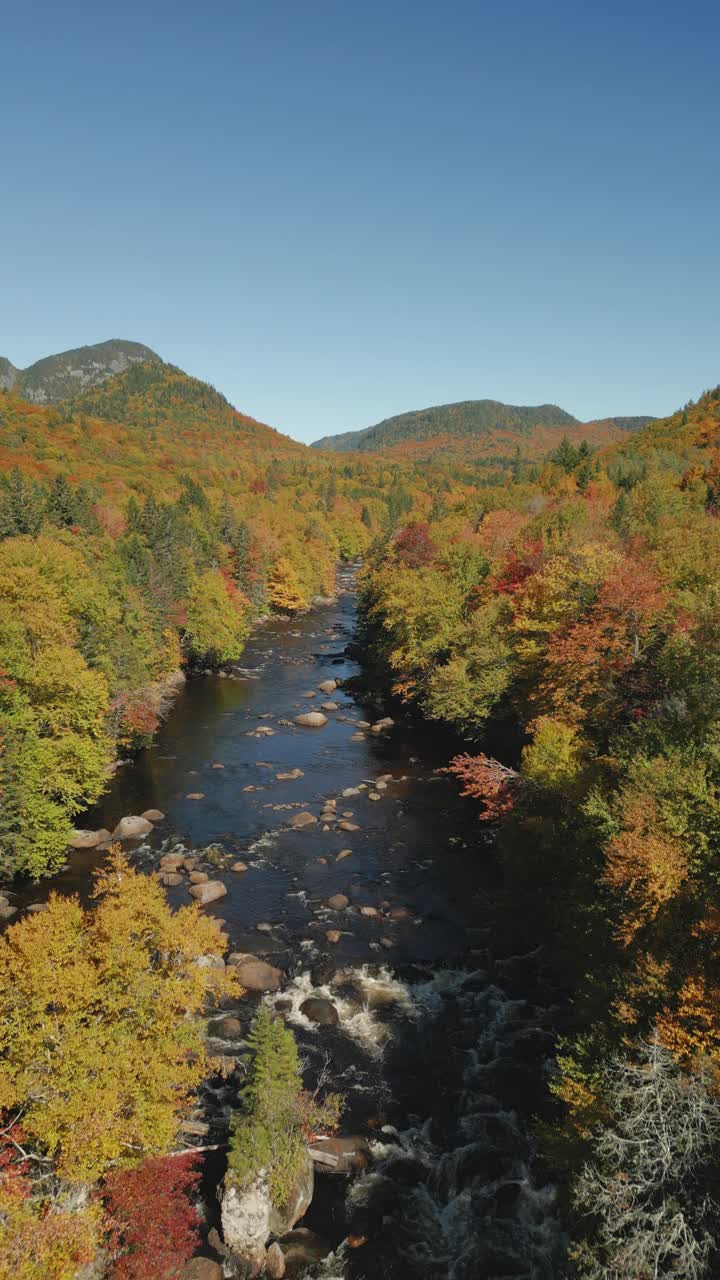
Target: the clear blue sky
(337, 210)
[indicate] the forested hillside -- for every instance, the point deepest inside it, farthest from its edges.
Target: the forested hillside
(144, 527)
(478, 428)
(567, 622)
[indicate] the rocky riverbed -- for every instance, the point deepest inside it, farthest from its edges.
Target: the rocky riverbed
(358, 897)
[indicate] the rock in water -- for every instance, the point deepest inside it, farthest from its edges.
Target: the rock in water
(351, 1153)
(249, 1217)
(303, 1248)
(228, 1028)
(320, 1011)
(275, 1262)
(132, 828)
(201, 1269)
(327, 686)
(89, 839)
(245, 1218)
(257, 975)
(311, 719)
(338, 902)
(301, 820)
(208, 892)
(154, 815)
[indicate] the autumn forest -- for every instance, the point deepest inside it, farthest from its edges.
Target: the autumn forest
(548, 601)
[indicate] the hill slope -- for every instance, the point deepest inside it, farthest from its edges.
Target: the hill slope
(59, 376)
(466, 418)
(487, 426)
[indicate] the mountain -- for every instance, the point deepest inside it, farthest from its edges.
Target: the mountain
(477, 426)
(466, 418)
(64, 375)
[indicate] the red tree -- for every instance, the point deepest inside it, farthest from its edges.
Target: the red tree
(414, 547)
(151, 1223)
(487, 780)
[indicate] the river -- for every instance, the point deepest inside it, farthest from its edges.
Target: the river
(444, 1034)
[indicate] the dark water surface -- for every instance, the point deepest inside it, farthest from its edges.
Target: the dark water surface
(443, 1037)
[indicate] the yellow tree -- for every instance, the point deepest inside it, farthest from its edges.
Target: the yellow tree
(101, 1042)
(284, 591)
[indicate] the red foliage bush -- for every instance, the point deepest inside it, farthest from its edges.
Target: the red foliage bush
(518, 567)
(414, 547)
(151, 1223)
(487, 780)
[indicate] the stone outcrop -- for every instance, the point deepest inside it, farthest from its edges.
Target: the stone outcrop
(249, 1217)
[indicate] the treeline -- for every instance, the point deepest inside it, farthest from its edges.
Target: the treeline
(573, 618)
(136, 544)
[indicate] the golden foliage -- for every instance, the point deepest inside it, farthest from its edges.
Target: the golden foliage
(100, 1037)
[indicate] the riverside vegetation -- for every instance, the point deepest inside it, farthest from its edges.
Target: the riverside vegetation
(559, 612)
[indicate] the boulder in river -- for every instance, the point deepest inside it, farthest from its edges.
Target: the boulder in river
(195, 795)
(348, 826)
(321, 1011)
(333, 935)
(202, 1269)
(228, 1028)
(300, 820)
(89, 839)
(275, 1262)
(132, 827)
(199, 877)
(341, 1155)
(303, 1248)
(172, 862)
(327, 686)
(290, 776)
(257, 975)
(153, 815)
(249, 1216)
(338, 902)
(208, 892)
(311, 719)
(171, 879)
(381, 725)
(239, 866)
(328, 706)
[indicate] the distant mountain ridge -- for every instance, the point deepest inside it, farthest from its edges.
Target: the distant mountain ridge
(69, 373)
(467, 419)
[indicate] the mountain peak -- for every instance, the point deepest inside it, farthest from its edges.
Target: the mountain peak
(69, 373)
